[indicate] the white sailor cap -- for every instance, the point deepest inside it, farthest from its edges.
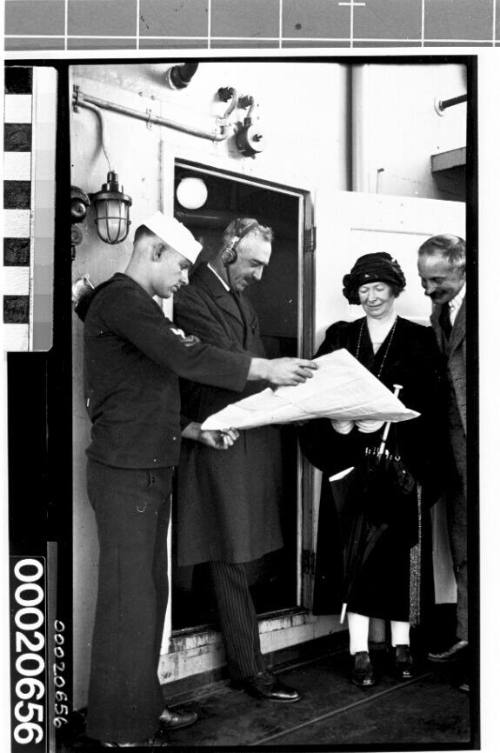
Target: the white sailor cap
(174, 234)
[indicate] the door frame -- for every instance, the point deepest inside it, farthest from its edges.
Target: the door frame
(196, 649)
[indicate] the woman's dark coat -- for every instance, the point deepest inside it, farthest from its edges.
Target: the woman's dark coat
(410, 358)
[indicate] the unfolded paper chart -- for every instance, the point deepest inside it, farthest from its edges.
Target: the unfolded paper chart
(341, 389)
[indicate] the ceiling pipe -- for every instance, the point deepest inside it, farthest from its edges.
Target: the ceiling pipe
(104, 140)
(359, 175)
(220, 131)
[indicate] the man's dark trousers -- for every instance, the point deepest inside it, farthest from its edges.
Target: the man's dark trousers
(457, 520)
(237, 619)
(132, 508)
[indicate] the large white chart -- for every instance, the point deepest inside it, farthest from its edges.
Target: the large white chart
(341, 389)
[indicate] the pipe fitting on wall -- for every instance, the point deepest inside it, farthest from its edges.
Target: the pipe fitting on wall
(80, 203)
(441, 105)
(179, 76)
(250, 139)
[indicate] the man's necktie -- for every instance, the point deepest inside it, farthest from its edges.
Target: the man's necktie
(445, 321)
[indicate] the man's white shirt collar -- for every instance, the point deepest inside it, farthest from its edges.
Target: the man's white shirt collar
(219, 277)
(456, 303)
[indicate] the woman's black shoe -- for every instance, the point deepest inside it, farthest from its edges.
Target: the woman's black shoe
(403, 663)
(362, 671)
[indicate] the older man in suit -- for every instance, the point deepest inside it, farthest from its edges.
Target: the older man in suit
(227, 507)
(441, 266)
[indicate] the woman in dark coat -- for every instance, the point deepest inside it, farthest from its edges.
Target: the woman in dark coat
(379, 502)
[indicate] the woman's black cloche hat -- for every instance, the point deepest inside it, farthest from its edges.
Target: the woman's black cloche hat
(376, 267)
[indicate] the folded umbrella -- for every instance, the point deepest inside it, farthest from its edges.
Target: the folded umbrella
(363, 533)
(381, 475)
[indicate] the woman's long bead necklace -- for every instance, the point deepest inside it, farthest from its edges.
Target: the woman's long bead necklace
(386, 351)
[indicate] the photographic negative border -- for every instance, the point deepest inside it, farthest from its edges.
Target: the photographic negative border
(40, 389)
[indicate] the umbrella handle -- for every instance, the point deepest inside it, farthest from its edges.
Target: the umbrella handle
(381, 449)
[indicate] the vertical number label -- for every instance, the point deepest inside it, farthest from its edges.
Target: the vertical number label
(28, 653)
(61, 710)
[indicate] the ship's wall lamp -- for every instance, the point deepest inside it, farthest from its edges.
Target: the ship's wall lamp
(112, 210)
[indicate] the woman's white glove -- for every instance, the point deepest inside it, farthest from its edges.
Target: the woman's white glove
(367, 426)
(342, 427)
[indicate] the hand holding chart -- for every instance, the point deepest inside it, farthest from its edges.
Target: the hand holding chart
(341, 389)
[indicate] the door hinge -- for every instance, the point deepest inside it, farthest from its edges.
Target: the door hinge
(308, 561)
(310, 239)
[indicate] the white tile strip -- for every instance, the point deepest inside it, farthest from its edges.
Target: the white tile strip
(16, 223)
(16, 280)
(17, 108)
(15, 337)
(17, 166)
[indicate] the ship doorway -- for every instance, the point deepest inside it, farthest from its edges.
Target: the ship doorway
(286, 322)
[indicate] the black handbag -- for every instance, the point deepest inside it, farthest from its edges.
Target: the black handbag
(390, 466)
(400, 477)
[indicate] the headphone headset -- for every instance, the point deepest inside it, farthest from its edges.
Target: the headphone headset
(230, 252)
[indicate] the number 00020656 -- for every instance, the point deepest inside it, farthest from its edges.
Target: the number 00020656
(29, 642)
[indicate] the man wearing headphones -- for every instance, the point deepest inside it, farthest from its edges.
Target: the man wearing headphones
(227, 503)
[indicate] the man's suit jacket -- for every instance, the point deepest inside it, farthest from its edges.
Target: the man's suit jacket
(455, 352)
(227, 500)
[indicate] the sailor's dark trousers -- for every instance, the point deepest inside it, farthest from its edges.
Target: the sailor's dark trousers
(132, 509)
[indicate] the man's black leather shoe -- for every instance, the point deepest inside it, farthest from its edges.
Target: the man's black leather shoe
(153, 742)
(362, 671)
(172, 719)
(266, 686)
(456, 651)
(403, 663)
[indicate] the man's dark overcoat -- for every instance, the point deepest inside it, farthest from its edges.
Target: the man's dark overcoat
(227, 501)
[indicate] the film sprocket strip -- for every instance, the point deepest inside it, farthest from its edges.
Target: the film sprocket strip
(167, 24)
(29, 207)
(39, 409)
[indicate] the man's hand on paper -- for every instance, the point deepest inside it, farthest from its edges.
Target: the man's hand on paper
(290, 371)
(218, 440)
